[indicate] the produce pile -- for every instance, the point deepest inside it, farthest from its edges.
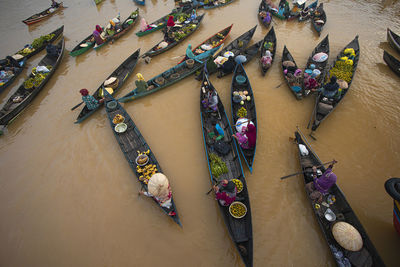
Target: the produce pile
(182, 17)
(118, 119)
(37, 78)
(38, 42)
(343, 68)
(239, 185)
(183, 32)
(218, 167)
(241, 96)
(147, 170)
(241, 113)
(237, 209)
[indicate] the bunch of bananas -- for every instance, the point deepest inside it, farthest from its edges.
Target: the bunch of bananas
(220, 35)
(242, 112)
(342, 70)
(146, 171)
(218, 167)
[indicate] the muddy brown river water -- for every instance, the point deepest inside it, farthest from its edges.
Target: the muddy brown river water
(69, 198)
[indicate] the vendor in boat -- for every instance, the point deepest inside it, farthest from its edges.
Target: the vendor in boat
(320, 186)
(144, 26)
(216, 133)
(90, 101)
(169, 32)
(97, 35)
(225, 192)
(141, 84)
(310, 83)
(54, 4)
(331, 89)
(210, 100)
(189, 52)
(113, 27)
(266, 60)
(159, 189)
(228, 66)
(247, 138)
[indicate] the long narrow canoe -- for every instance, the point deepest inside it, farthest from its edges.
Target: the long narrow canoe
(250, 106)
(323, 106)
(214, 4)
(187, 28)
(160, 23)
(139, 2)
(85, 45)
(213, 41)
(294, 86)
(391, 61)
(42, 15)
(392, 187)
(307, 12)
(23, 97)
(269, 38)
(322, 47)
(28, 54)
(128, 24)
(240, 230)
(261, 9)
(132, 143)
(367, 255)
(169, 77)
(319, 19)
(121, 73)
(393, 39)
(250, 53)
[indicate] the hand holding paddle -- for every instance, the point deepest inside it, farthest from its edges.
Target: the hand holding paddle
(290, 175)
(73, 108)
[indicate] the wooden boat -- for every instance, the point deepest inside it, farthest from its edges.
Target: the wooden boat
(187, 28)
(170, 76)
(322, 47)
(240, 230)
(214, 41)
(392, 62)
(278, 11)
(249, 105)
(128, 24)
(236, 47)
(392, 187)
(261, 9)
(23, 97)
(393, 39)
(139, 2)
(250, 52)
(297, 7)
(132, 143)
(160, 23)
(294, 84)
(307, 12)
(85, 45)
(42, 15)
(324, 107)
(4, 83)
(269, 38)
(319, 19)
(57, 33)
(367, 255)
(121, 73)
(214, 4)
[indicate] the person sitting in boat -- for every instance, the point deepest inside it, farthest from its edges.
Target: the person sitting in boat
(310, 83)
(225, 192)
(266, 60)
(267, 18)
(89, 100)
(141, 84)
(189, 52)
(97, 35)
(170, 23)
(320, 186)
(113, 27)
(210, 97)
(144, 26)
(216, 133)
(330, 90)
(193, 16)
(159, 189)
(54, 4)
(228, 66)
(247, 137)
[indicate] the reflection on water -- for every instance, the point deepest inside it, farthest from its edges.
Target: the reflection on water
(68, 196)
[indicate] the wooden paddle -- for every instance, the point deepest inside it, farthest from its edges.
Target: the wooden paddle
(212, 188)
(74, 107)
(293, 174)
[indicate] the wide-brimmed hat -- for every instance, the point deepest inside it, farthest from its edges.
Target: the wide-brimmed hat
(158, 185)
(347, 236)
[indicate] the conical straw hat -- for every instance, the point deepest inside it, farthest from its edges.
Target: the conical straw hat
(158, 185)
(347, 236)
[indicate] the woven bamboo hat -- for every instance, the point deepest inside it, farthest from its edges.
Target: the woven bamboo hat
(347, 236)
(158, 185)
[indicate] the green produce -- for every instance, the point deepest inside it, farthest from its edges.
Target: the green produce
(218, 167)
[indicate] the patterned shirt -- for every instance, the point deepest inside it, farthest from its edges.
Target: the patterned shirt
(90, 102)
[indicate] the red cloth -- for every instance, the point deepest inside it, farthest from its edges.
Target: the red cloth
(170, 22)
(99, 29)
(251, 134)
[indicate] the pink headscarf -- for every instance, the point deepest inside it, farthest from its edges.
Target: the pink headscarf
(99, 29)
(170, 22)
(143, 25)
(251, 134)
